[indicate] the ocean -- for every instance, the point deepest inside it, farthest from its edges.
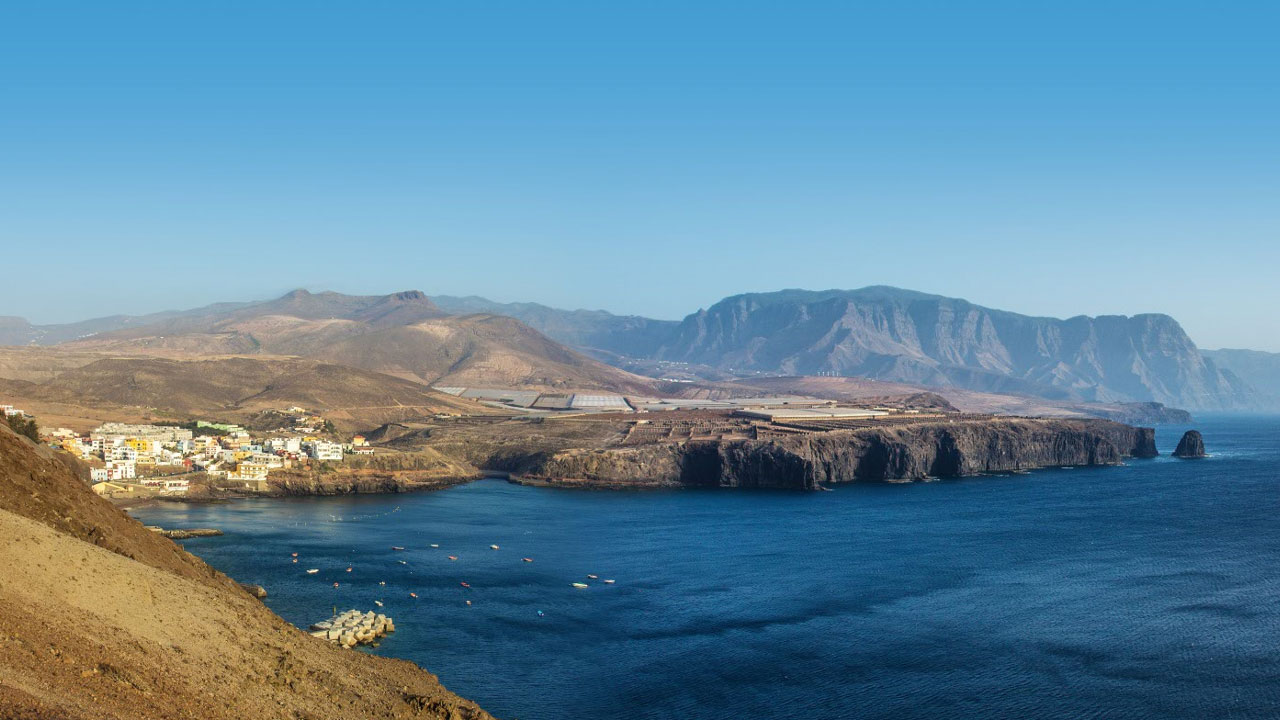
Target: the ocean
(1143, 591)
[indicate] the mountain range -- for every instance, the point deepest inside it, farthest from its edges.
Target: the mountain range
(880, 333)
(900, 335)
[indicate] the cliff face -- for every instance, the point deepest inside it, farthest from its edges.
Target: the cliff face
(803, 462)
(892, 334)
(101, 618)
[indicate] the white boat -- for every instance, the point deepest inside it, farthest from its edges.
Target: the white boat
(493, 547)
(592, 577)
(378, 603)
(435, 545)
(313, 571)
(580, 585)
(608, 582)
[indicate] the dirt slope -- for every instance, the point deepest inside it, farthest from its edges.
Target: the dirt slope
(232, 388)
(100, 618)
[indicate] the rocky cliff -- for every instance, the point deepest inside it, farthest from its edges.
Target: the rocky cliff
(892, 334)
(942, 449)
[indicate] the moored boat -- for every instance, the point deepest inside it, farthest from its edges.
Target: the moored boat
(581, 585)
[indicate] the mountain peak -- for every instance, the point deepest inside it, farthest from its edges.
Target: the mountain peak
(408, 295)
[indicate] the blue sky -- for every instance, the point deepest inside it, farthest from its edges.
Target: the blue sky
(1051, 158)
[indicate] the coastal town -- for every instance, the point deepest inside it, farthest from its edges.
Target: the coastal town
(128, 461)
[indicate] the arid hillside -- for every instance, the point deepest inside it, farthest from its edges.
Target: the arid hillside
(101, 618)
(403, 334)
(232, 388)
(480, 350)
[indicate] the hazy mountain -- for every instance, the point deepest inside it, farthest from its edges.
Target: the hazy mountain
(876, 332)
(893, 334)
(17, 331)
(403, 334)
(1260, 369)
(621, 334)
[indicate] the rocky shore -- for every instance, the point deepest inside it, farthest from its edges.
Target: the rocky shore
(353, 628)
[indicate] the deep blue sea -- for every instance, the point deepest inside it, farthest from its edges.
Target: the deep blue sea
(1145, 591)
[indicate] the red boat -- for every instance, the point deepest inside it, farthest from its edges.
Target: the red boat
(465, 585)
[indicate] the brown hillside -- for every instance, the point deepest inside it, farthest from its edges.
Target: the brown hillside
(480, 350)
(402, 334)
(237, 387)
(101, 618)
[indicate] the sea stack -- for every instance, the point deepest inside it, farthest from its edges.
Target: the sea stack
(1190, 446)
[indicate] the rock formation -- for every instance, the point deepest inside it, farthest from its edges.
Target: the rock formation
(941, 449)
(1190, 446)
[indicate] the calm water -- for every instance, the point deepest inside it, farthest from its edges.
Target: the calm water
(1136, 592)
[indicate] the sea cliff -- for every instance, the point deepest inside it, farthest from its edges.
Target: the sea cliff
(942, 449)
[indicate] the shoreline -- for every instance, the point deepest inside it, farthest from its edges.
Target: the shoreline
(587, 484)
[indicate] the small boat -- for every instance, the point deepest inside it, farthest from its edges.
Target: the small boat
(453, 557)
(580, 585)
(413, 595)
(295, 555)
(465, 585)
(382, 582)
(402, 562)
(435, 545)
(526, 559)
(396, 547)
(378, 603)
(335, 584)
(468, 602)
(493, 547)
(592, 577)
(608, 582)
(540, 614)
(348, 569)
(295, 560)
(313, 571)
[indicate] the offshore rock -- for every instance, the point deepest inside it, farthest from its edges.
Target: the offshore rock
(941, 449)
(1190, 446)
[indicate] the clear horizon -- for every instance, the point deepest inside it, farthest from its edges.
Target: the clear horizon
(1091, 159)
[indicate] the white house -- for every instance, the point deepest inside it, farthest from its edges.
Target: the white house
(326, 451)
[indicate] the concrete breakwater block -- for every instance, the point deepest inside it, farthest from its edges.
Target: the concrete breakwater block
(353, 628)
